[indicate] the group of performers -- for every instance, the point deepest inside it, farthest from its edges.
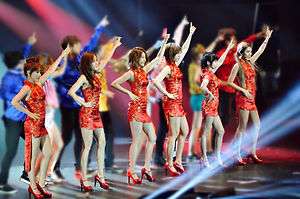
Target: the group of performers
(80, 85)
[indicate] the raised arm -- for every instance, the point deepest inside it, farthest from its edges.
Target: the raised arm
(53, 66)
(211, 47)
(159, 56)
(223, 56)
(94, 40)
(61, 69)
(72, 92)
(262, 46)
(186, 44)
(16, 102)
(123, 78)
(108, 51)
(27, 48)
(177, 37)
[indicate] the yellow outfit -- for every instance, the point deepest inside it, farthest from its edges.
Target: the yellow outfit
(194, 87)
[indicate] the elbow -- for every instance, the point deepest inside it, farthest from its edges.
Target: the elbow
(71, 93)
(14, 103)
(114, 84)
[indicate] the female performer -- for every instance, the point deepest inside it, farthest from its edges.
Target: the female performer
(245, 69)
(90, 121)
(137, 115)
(172, 102)
(35, 132)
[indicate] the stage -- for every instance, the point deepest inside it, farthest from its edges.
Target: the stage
(278, 177)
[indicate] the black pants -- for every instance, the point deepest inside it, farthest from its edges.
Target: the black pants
(162, 132)
(13, 131)
(70, 126)
(226, 107)
(109, 138)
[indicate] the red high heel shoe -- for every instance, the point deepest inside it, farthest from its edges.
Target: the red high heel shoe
(169, 170)
(103, 184)
(149, 177)
(46, 194)
(85, 188)
(255, 159)
(178, 167)
(134, 180)
(35, 195)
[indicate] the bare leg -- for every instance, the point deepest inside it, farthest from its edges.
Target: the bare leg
(57, 145)
(150, 132)
(100, 151)
(173, 134)
(256, 122)
(220, 130)
(194, 135)
(181, 139)
(46, 149)
(87, 136)
(136, 131)
(207, 128)
(34, 153)
(243, 120)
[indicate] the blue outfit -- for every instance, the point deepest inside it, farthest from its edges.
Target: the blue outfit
(65, 82)
(196, 101)
(11, 84)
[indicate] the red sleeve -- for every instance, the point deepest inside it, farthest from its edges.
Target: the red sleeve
(250, 39)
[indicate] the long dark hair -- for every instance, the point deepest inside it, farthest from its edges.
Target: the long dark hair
(208, 57)
(171, 51)
(135, 55)
(86, 66)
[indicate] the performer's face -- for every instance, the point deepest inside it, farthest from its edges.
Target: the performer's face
(76, 48)
(142, 59)
(35, 75)
(248, 53)
(95, 64)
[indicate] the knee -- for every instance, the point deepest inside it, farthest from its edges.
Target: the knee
(152, 139)
(221, 132)
(241, 128)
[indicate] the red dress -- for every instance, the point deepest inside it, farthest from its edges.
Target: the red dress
(210, 107)
(248, 83)
(173, 84)
(90, 116)
(138, 109)
(36, 103)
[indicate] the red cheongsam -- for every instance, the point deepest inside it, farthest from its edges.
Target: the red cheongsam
(210, 107)
(137, 109)
(173, 84)
(248, 83)
(35, 103)
(90, 116)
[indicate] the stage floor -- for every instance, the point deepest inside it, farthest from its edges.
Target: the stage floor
(278, 177)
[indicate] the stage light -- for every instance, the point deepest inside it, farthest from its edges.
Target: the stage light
(273, 120)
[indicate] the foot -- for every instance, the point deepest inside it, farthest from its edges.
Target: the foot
(24, 178)
(178, 166)
(53, 177)
(206, 163)
(241, 162)
(7, 189)
(59, 174)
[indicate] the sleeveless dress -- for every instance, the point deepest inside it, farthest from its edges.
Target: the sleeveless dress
(36, 103)
(138, 109)
(247, 82)
(173, 84)
(211, 106)
(89, 117)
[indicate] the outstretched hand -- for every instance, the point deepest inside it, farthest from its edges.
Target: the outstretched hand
(32, 39)
(192, 28)
(104, 22)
